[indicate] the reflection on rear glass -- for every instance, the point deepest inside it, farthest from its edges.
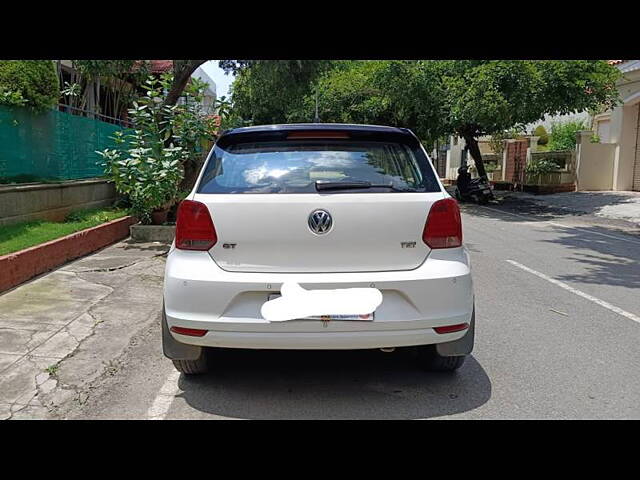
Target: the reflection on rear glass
(295, 166)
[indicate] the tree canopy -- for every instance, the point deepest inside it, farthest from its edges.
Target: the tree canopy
(31, 83)
(434, 98)
(272, 91)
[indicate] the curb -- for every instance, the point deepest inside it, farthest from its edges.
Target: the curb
(18, 267)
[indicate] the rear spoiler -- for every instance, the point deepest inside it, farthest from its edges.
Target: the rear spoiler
(398, 135)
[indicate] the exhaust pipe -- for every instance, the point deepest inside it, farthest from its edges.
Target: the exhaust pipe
(387, 349)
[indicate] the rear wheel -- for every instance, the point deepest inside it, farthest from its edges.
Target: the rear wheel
(429, 359)
(193, 367)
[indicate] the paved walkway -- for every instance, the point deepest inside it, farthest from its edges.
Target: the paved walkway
(613, 205)
(65, 329)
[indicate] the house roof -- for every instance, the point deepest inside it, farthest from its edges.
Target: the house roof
(160, 66)
(615, 62)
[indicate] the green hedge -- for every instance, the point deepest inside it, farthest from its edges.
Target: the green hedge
(35, 80)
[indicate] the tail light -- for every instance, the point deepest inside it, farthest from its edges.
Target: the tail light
(194, 227)
(443, 228)
(451, 328)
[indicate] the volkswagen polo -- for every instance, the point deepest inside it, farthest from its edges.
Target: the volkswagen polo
(325, 207)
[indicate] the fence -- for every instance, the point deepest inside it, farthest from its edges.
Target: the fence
(50, 146)
(86, 113)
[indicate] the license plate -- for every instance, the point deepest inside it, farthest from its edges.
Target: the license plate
(363, 318)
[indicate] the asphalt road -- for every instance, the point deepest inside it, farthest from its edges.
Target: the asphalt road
(557, 337)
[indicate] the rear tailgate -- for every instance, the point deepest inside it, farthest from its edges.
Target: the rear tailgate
(271, 233)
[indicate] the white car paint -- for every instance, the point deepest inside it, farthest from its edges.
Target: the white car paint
(222, 290)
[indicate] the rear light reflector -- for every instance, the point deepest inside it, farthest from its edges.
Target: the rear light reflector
(194, 227)
(443, 228)
(451, 328)
(192, 332)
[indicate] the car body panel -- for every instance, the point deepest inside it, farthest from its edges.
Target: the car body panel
(222, 290)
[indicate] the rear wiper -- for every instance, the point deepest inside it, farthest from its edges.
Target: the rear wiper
(324, 185)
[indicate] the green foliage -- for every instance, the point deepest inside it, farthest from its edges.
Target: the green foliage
(483, 97)
(143, 168)
(541, 167)
(109, 68)
(269, 91)
(396, 93)
(491, 167)
(148, 164)
(122, 77)
(191, 127)
(563, 135)
(469, 98)
(29, 83)
(11, 98)
(541, 132)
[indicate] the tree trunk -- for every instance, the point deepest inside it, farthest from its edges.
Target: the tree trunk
(474, 150)
(182, 70)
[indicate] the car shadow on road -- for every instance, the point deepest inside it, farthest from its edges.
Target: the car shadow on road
(359, 384)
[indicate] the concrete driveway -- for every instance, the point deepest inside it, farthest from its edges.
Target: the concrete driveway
(62, 331)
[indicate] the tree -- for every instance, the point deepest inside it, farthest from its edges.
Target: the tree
(182, 70)
(29, 83)
(396, 93)
(121, 77)
(272, 91)
(469, 98)
(484, 97)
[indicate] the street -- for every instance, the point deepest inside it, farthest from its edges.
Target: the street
(558, 327)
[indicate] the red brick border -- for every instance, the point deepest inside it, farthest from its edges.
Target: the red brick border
(18, 267)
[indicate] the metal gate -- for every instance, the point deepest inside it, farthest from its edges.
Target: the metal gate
(636, 165)
(516, 162)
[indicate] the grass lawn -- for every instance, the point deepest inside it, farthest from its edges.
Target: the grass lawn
(23, 235)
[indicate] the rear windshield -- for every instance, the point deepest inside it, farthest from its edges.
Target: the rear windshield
(296, 166)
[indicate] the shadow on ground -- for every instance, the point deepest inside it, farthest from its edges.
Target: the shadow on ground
(606, 261)
(360, 384)
(609, 251)
(589, 203)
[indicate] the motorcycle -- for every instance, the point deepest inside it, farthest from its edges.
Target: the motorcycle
(478, 190)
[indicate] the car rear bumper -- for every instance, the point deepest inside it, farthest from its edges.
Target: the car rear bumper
(198, 294)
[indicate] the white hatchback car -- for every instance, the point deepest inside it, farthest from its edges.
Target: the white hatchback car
(328, 207)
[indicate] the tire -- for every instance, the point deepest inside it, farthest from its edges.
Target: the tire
(193, 367)
(429, 360)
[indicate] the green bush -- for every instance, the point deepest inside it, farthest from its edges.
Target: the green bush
(563, 135)
(541, 167)
(31, 83)
(541, 132)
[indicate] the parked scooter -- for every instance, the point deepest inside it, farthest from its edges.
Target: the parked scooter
(478, 190)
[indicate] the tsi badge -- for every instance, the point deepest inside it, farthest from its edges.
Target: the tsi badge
(408, 244)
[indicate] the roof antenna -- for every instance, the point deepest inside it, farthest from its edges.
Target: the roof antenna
(317, 119)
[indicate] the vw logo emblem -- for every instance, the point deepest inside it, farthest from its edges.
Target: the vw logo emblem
(320, 222)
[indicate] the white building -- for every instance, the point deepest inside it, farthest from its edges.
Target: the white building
(210, 92)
